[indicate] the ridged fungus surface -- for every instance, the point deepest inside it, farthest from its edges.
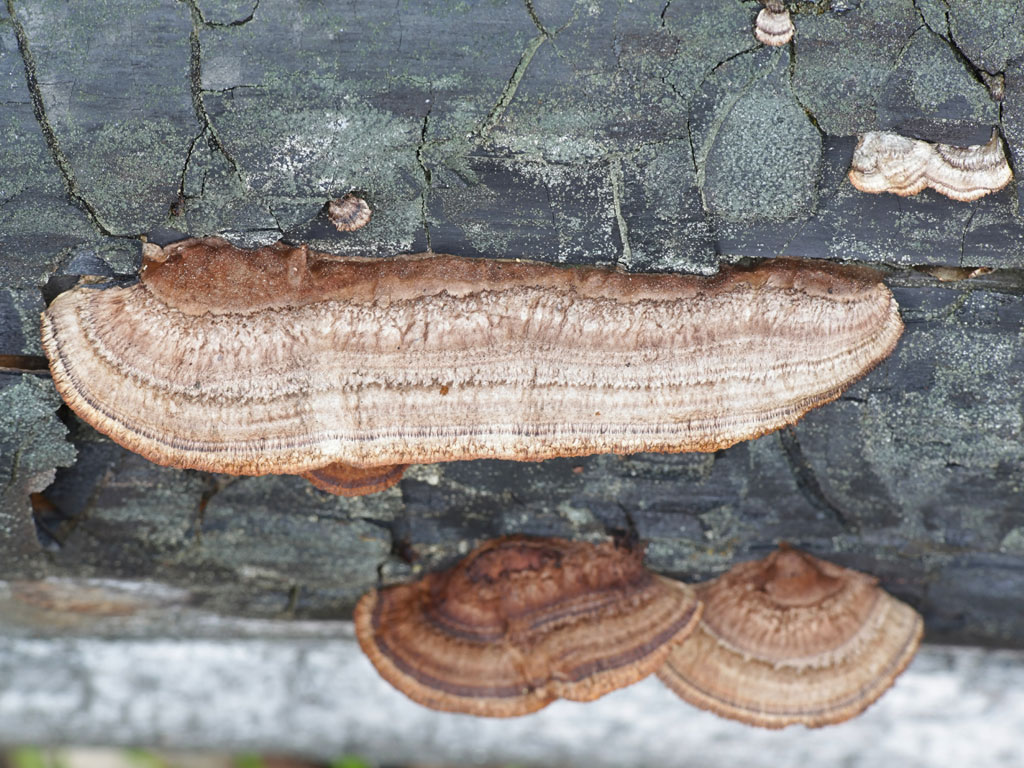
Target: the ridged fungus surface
(888, 162)
(281, 360)
(520, 622)
(349, 213)
(792, 639)
(773, 25)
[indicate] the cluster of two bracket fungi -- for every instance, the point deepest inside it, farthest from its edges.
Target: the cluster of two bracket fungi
(521, 622)
(887, 162)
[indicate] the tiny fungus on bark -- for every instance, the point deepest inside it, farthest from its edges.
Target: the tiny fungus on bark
(349, 213)
(520, 622)
(792, 639)
(284, 361)
(888, 162)
(773, 25)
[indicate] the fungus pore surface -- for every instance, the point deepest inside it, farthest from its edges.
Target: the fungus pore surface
(522, 621)
(281, 360)
(792, 639)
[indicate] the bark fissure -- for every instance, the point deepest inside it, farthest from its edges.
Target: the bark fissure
(60, 160)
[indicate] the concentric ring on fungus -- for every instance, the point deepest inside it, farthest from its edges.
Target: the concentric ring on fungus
(773, 25)
(520, 622)
(349, 213)
(888, 162)
(792, 639)
(284, 361)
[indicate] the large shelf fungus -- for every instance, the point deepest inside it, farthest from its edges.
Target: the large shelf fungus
(792, 639)
(520, 622)
(282, 360)
(888, 162)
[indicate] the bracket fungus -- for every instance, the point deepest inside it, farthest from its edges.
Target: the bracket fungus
(792, 639)
(773, 25)
(888, 162)
(520, 622)
(284, 361)
(349, 213)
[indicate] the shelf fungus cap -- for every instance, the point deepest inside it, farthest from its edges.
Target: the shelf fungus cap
(349, 213)
(793, 639)
(282, 360)
(967, 173)
(888, 162)
(773, 25)
(520, 622)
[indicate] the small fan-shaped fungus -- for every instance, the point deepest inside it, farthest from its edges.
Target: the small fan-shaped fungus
(520, 622)
(349, 213)
(793, 639)
(773, 25)
(888, 162)
(285, 361)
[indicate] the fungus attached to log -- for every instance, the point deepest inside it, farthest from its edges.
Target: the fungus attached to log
(792, 639)
(888, 162)
(773, 25)
(349, 213)
(520, 622)
(285, 361)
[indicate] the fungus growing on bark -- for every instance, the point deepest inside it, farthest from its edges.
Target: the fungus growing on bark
(345, 480)
(282, 360)
(792, 639)
(773, 25)
(349, 213)
(888, 162)
(520, 622)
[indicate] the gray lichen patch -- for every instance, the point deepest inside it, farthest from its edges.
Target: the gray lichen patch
(990, 34)
(929, 82)
(19, 321)
(37, 222)
(33, 443)
(758, 155)
(844, 60)
(120, 119)
(304, 538)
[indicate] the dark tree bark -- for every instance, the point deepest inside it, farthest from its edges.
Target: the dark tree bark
(653, 135)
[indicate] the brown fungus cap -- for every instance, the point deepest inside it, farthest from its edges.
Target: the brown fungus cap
(793, 639)
(520, 622)
(349, 213)
(346, 480)
(282, 360)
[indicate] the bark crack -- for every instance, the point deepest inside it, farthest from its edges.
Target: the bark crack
(199, 105)
(806, 479)
(420, 159)
(49, 134)
(509, 91)
(618, 192)
(224, 24)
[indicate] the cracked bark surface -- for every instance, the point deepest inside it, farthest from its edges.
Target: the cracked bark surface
(650, 134)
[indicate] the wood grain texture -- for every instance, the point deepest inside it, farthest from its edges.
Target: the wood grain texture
(793, 639)
(282, 361)
(522, 621)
